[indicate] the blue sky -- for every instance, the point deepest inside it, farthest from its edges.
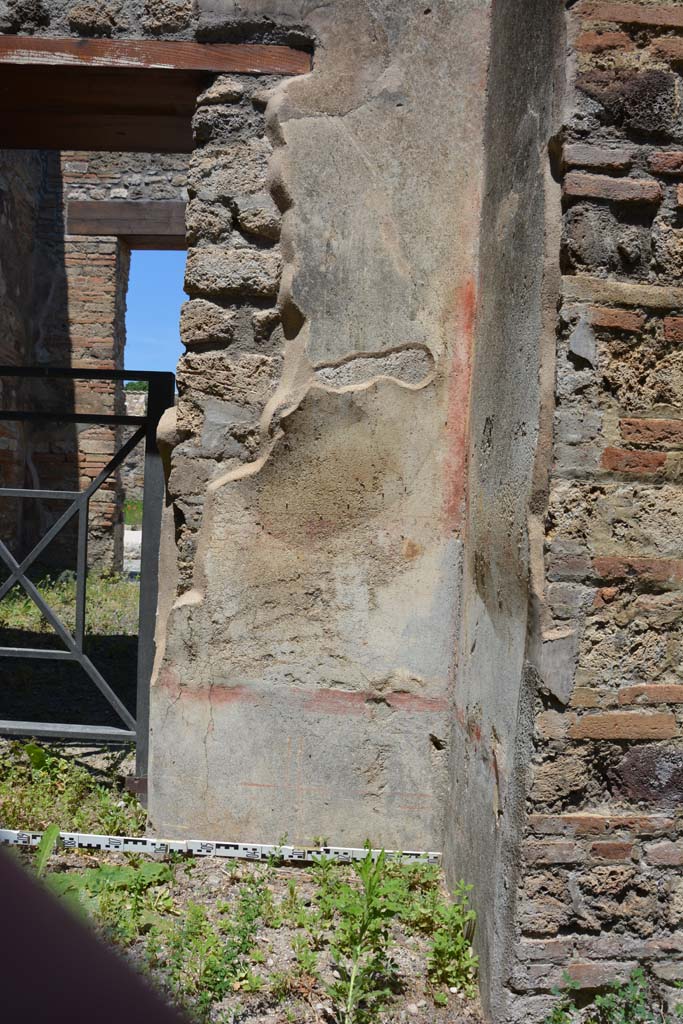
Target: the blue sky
(155, 295)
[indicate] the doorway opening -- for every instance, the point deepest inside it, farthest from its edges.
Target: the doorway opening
(153, 300)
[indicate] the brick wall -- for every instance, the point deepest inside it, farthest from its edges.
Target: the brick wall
(602, 872)
(20, 179)
(70, 311)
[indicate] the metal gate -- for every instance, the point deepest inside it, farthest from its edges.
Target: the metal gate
(160, 397)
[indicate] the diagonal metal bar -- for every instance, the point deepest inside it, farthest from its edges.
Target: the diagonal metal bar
(106, 690)
(61, 630)
(71, 511)
(37, 598)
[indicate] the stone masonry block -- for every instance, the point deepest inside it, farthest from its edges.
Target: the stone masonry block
(652, 773)
(665, 854)
(203, 322)
(583, 154)
(552, 852)
(223, 90)
(238, 169)
(213, 271)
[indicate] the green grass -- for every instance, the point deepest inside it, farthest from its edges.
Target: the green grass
(132, 512)
(111, 605)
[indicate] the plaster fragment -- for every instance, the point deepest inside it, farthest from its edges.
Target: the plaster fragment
(411, 366)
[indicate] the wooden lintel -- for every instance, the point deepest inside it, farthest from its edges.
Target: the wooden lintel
(143, 224)
(141, 54)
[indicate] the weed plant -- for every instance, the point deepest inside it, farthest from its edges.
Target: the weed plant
(634, 1001)
(39, 788)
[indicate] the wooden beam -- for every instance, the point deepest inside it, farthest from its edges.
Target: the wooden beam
(98, 108)
(143, 224)
(235, 58)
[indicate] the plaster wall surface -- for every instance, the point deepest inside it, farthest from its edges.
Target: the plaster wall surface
(511, 391)
(305, 674)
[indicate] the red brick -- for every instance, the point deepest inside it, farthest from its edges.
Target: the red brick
(665, 853)
(668, 47)
(663, 432)
(625, 725)
(665, 571)
(673, 328)
(617, 319)
(670, 162)
(598, 42)
(612, 850)
(632, 14)
(621, 460)
(652, 693)
(586, 823)
(617, 190)
(599, 158)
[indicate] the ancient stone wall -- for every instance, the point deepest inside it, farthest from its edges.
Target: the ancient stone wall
(318, 467)
(601, 887)
(20, 185)
(420, 576)
(131, 176)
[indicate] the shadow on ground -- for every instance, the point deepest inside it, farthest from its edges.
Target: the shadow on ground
(58, 691)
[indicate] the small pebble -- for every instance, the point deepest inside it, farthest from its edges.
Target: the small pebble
(412, 1008)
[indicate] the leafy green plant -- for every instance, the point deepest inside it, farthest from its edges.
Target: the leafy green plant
(451, 960)
(633, 1001)
(46, 846)
(205, 963)
(117, 897)
(360, 944)
(306, 958)
(40, 788)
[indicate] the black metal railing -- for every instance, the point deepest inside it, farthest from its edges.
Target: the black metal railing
(160, 397)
